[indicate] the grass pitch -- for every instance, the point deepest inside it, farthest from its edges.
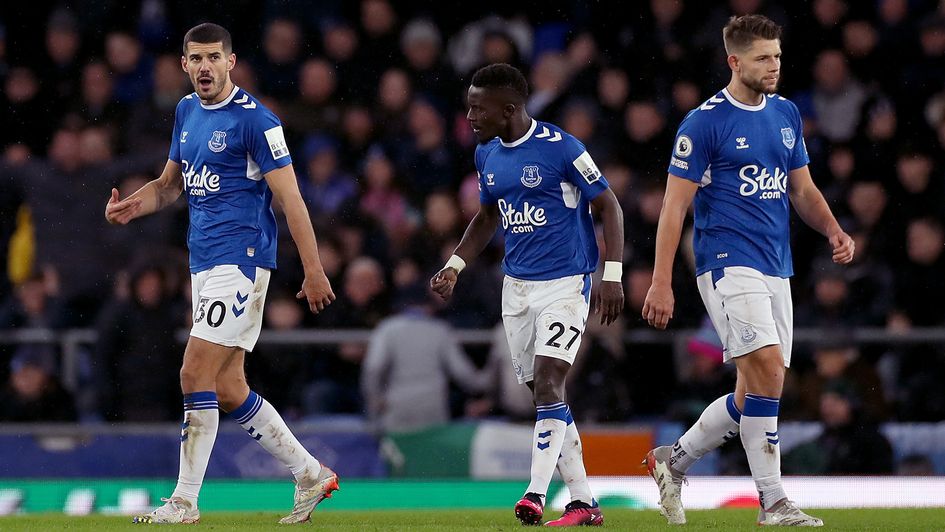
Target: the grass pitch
(491, 520)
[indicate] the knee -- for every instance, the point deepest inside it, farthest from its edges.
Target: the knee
(231, 393)
(548, 391)
(190, 380)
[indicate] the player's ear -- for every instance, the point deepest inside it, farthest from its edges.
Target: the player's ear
(734, 63)
(183, 63)
(230, 62)
(508, 110)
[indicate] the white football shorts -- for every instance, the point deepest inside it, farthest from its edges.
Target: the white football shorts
(228, 304)
(544, 318)
(749, 310)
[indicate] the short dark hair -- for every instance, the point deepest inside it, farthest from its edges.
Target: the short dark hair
(740, 32)
(208, 33)
(501, 76)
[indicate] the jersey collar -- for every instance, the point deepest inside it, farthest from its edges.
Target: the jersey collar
(746, 107)
(224, 102)
(525, 137)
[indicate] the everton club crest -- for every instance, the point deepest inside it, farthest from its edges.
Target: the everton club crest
(530, 176)
(218, 141)
(787, 137)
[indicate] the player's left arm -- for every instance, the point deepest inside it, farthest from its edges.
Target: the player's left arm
(580, 169)
(813, 209)
(285, 189)
(609, 302)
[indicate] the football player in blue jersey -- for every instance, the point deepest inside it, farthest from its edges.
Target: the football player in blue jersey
(229, 155)
(540, 183)
(741, 157)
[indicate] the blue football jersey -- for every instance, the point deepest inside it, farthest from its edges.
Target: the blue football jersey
(741, 156)
(542, 184)
(224, 150)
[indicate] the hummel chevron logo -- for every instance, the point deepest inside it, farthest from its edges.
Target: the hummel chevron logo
(543, 446)
(545, 133)
(241, 298)
(545, 434)
(238, 311)
(242, 101)
(711, 103)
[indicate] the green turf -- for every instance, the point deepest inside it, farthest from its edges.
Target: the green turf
(492, 520)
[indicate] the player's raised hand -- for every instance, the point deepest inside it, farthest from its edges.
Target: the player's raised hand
(609, 301)
(443, 282)
(843, 247)
(658, 305)
(317, 291)
(121, 211)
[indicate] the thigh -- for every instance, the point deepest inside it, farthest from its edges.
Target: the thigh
(228, 303)
(561, 307)
(782, 307)
(519, 324)
(742, 296)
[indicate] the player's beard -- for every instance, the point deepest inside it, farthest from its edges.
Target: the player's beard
(759, 86)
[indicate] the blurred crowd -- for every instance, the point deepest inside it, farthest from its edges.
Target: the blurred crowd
(371, 95)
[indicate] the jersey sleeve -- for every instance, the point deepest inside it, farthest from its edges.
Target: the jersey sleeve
(691, 149)
(799, 156)
(581, 170)
(265, 141)
(174, 153)
(485, 197)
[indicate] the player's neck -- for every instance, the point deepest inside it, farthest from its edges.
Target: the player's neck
(224, 94)
(744, 94)
(518, 127)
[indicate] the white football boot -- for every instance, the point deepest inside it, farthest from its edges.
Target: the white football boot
(786, 513)
(669, 482)
(175, 510)
(306, 499)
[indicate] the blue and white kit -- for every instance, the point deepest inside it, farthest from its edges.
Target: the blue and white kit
(224, 151)
(542, 185)
(741, 156)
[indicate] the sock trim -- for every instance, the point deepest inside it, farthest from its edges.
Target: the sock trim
(248, 409)
(201, 401)
(559, 411)
(761, 406)
(733, 410)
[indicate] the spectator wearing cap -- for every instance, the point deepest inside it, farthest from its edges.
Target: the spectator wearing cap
(705, 377)
(422, 46)
(33, 392)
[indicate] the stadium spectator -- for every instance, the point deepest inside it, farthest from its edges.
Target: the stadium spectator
(848, 445)
(136, 338)
(411, 360)
(277, 69)
(33, 392)
(131, 67)
(316, 108)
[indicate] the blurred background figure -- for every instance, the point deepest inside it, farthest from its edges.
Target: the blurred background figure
(411, 360)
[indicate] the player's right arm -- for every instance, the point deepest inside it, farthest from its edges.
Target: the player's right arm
(479, 232)
(152, 197)
(659, 302)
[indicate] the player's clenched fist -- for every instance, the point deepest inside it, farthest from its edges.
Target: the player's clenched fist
(121, 211)
(443, 282)
(317, 291)
(658, 306)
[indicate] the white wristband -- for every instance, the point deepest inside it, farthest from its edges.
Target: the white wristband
(613, 271)
(456, 262)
